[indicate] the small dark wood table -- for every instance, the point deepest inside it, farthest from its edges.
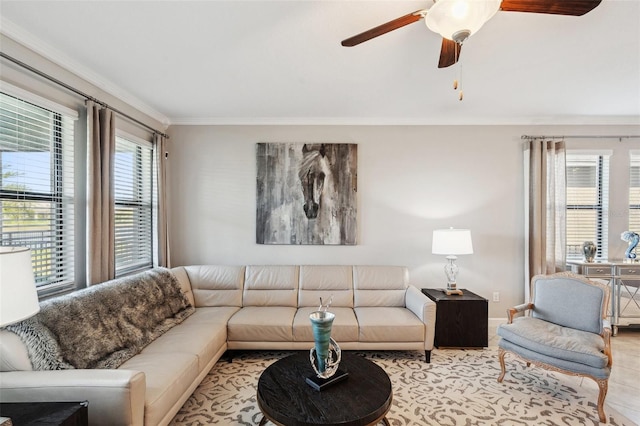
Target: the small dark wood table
(461, 321)
(285, 398)
(46, 413)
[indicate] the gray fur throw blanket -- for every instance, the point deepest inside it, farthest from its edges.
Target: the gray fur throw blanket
(104, 325)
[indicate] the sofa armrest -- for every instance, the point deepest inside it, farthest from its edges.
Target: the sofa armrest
(425, 309)
(116, 397)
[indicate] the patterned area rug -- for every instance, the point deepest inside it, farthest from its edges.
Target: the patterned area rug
(458, 388)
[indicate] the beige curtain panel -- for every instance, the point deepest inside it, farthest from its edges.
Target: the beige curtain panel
(162, 249)
(547, 206)
(100, 191)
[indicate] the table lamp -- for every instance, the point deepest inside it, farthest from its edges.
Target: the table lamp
(18, 294)
(452, 242)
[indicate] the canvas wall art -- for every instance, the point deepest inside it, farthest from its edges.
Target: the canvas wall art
(306, 193)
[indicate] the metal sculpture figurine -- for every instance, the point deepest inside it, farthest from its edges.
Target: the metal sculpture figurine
(632, 238)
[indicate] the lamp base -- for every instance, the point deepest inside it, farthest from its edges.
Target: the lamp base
(452, 292)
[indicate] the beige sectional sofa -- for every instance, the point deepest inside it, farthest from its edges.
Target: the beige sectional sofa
(236, 307)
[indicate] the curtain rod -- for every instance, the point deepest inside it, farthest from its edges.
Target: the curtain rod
(79, 92)
(620, 137)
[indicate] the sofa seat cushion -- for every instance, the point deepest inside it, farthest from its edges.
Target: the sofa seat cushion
(262, 324)
(168, 377)
(344, 328)
(556, 341)
(203, 340)
(389, 324)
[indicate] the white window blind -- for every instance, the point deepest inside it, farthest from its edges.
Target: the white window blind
(587, 203)
(36, 189)
(133, 205)
(634, 193)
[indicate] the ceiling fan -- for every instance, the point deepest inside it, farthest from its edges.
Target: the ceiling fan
(457, 20)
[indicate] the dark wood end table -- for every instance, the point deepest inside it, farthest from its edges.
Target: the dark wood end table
(46, 413)
(284, 397)
(461, 321)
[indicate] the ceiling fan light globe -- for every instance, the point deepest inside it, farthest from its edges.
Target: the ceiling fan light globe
(448, 17)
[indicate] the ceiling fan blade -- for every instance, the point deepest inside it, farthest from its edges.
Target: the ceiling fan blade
(384, 28)
(449, 53)
(554, 7)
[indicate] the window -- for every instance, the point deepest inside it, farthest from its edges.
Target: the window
(634, 192)
(36, 188)
(587, 203)
(133, 206)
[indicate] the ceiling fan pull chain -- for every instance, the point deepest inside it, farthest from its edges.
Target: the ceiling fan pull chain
(455, 80)
(460, 94)
(458, 83)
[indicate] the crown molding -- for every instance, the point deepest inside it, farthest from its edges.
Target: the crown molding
(401, 121)
(25, 38)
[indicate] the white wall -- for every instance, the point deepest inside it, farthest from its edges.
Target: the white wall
(411, 180)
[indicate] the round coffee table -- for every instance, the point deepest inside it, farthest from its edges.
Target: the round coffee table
(285, 398)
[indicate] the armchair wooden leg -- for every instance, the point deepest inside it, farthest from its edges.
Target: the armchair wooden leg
(603, 384)
(501, 354)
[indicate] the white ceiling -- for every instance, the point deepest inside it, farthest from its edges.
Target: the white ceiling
(232, 62)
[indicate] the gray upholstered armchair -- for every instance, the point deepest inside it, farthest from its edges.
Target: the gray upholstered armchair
(566, 330)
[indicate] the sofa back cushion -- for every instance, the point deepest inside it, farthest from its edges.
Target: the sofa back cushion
(569, 301)
(271, 286)
(214, 285)
(325, 281)
(380, 285)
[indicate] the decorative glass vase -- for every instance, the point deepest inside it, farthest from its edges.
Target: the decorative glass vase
(633, 238)
(589, 250)
(325, 355)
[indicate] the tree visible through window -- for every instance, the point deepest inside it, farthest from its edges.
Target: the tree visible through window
(36, 189)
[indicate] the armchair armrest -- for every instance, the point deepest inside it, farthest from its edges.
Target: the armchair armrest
(512, 312)
(606, 336)
(116, 397)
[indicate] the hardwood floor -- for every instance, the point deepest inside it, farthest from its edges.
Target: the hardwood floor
(624, 384)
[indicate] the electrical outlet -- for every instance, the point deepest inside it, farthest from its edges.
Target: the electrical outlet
(496, 296)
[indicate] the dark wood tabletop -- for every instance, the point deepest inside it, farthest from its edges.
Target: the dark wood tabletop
(285, 398)
(46, 413)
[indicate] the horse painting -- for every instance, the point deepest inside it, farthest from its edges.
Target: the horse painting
(314, 171)
(306, 193)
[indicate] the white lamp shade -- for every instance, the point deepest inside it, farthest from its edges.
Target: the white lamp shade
(18, 294)
(447, 17)
(452, 242)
